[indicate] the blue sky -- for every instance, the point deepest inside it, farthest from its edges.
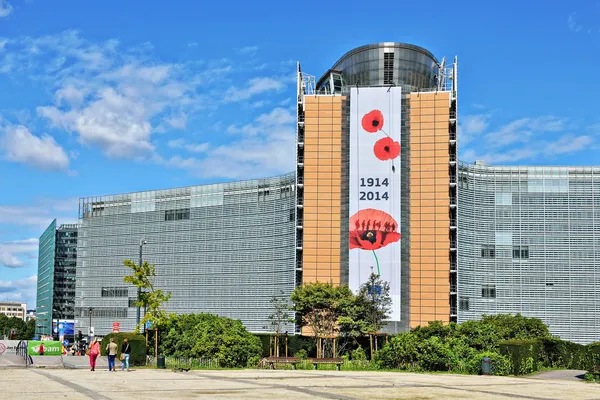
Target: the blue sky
(115, 96)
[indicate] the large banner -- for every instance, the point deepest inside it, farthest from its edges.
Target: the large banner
(51, 348)
(8, 347)
(375, 129)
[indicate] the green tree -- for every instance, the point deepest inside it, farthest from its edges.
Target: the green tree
(153, 299)
(374, 295)
(211, 337)
(399, 353)
(22, 330)
(279, 315)
(321, 305)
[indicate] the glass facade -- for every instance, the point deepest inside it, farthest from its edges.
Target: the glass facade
(399, 64)
(56, 276)
(45, 281)
(225, 249)
(528, 243)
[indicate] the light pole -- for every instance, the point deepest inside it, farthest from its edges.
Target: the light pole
(90, 310)
(137, 319)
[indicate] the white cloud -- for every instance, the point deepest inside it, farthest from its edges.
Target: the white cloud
(20, 145)
(5, 8)
(266, 147)
(22, 290)
(41, 213)
(247, 50)
(471, 126)
(525, 129)
(254, 87)
(572, 23)
(9, 252)
(192, 44)
(111, 97)
(194, 148)
(524, 139)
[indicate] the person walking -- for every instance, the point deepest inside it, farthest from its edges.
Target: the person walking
(93, 352)
(111, 351)
(125, 353)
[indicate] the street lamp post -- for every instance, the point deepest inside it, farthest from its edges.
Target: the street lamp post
(90, 310)
(139, 293)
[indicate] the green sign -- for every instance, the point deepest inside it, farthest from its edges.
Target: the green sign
(50, 348)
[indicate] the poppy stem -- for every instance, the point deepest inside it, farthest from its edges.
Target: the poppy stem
(377, 261)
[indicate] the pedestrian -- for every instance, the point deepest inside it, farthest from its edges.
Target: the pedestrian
(93, 352)
(41, 352)
(111, 351)
(125, 353)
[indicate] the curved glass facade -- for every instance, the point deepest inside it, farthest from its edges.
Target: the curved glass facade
(391, 63)
(528, 242)
(225, 249)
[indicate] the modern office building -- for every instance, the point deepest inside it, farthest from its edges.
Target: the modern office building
(376, 171)
(16, 310)
(226, 249)
(56, 276)
(529, 243)
(377, 188)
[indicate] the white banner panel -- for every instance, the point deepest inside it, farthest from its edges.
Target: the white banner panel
(375, 128)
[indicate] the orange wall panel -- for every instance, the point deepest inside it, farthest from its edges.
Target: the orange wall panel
(323, 117)
(429, 206)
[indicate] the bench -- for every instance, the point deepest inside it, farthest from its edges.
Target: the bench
(272, 361)
(337, 361)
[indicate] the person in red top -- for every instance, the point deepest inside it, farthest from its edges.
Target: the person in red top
(41, 352)
(94, 351)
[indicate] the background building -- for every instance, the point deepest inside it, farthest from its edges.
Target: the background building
(11, 309)
(528, 243)
(226, 249)
(56, 276)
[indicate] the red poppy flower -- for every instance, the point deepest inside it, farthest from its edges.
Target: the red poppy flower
(372, 229)
(373, 121)
(386, 149)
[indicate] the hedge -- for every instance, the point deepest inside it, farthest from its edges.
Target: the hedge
(524, 355)
(137, 342)
(562, 354)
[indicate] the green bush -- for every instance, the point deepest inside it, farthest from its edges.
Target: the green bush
(433, 355)
(301, 354)
(137, 342)
(211, 337)
(562, 354)
(592, 357)
(500, 365)
(359, 354)
(399, 353)
(524, 355)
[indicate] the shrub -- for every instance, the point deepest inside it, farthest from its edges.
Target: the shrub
(592, 356)
(524, 355)
(500, 365)
(137, 342)
(359, 354)
(460, 355)
(212, 337)
(562, 354)
(433, 355)
(399, 353)
(302, 354)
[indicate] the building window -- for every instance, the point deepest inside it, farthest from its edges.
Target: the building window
(388, 68)
(292, 215)
(520, 251)
(132, 301)
(488, 251)
(114, 292)
(488, 291)
(177, 215)
(463, 304)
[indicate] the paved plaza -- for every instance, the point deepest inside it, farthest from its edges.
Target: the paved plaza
(42, 383)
